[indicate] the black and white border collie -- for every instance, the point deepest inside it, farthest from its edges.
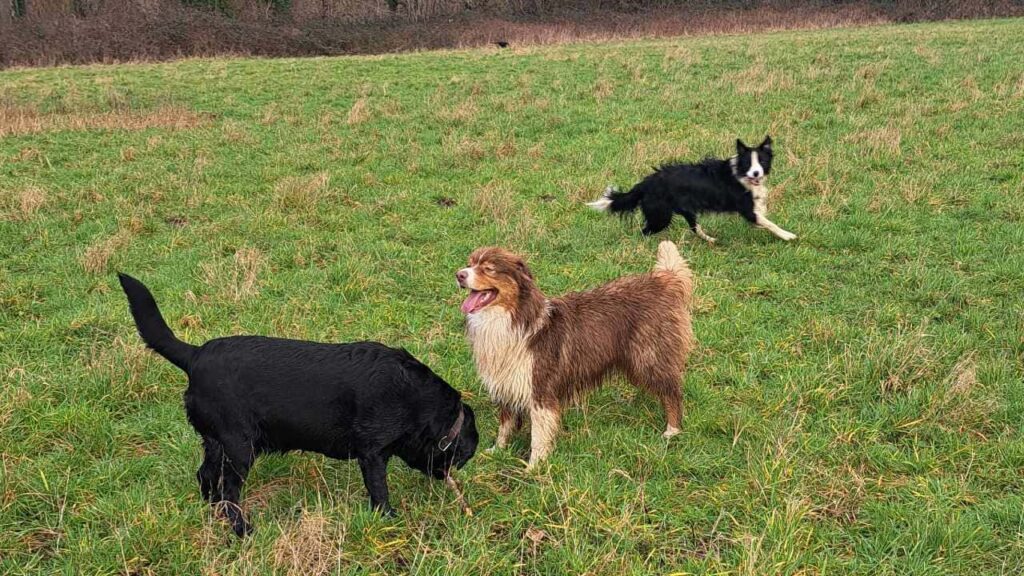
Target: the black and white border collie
(711, 185)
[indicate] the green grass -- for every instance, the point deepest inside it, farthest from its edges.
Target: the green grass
(854, 405)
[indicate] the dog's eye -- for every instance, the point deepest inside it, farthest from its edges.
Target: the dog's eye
(489, 270)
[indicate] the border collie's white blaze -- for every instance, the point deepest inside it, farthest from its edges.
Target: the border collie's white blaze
(711, 185)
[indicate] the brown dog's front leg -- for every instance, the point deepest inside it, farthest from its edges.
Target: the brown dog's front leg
(544, 422)
(509, 421)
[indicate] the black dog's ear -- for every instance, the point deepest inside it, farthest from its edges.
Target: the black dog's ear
(741, 147)
(767, 144)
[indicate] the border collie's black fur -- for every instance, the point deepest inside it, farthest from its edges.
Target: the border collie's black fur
(249, 395)
(711, 185)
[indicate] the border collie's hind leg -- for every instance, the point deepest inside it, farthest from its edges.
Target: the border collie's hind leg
(656, 217)
(691, 219)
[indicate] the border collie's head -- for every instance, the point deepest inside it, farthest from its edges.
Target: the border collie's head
(494, 277)
(753, 164)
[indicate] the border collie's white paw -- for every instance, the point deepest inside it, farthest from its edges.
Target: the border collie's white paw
(787, 236)
(601, 204)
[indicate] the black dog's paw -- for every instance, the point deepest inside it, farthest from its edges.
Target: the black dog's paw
(242, 528)
(385, 510)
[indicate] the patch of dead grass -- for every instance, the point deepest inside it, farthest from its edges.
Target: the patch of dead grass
(494, 202)
(758, 80)
(21, 120)
(309, 547)
(359, 112)
(301, 194)
(239, 279)
(603, 88)
(22, 204)
(248, 263)
(465, 111)
(880, 141)
(96, 259)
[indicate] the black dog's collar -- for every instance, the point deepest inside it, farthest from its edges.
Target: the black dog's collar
(445, 443)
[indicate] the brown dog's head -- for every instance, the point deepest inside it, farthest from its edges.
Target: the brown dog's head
(494, 277)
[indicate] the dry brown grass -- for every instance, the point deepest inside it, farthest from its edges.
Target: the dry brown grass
(96, 259)
(603, 88)
(298, 194)
(309, 547)
(962, 403)
(22, 204)
(248, 263)
(20, 120)
(880, 141)
(494, 202)
(359, 112)
(465, 111)
(757, 80)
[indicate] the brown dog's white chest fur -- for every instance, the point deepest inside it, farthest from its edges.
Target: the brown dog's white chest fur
(503, 358)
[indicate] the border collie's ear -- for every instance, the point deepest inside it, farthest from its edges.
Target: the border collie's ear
(741, 147)
(767, 144)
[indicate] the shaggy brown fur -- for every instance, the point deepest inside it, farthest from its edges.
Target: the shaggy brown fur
(536, 354)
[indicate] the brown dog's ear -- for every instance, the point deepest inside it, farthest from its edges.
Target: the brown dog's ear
(523, 269)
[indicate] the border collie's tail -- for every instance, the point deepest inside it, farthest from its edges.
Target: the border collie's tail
(154, 331)
(670, 260)
(615, 201)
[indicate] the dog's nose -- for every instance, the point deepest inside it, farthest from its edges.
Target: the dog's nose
(461, 276)
(755, 173)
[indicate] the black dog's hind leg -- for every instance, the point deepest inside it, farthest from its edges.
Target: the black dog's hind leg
(375, 477)
(221, 476)
(691, 219)
(209, 475)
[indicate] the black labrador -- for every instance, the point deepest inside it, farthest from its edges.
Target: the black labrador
(249, 395)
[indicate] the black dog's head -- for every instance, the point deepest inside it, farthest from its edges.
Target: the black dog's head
(440, 454)
(753, 164)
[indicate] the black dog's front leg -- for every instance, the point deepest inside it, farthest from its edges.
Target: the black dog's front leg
(375, 477)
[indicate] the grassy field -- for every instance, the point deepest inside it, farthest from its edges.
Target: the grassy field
(854, 406)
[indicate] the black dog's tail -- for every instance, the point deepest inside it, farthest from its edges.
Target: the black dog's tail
(154, 331)
(618, 202)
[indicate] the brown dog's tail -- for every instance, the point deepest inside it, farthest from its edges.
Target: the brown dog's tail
(669, 260)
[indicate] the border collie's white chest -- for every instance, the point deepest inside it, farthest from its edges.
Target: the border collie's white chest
(503, 358)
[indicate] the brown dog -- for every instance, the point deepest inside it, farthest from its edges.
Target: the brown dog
(536, 354)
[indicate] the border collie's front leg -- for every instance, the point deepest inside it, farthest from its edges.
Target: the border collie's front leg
(691, 219)
(375, 477)
(759, 220)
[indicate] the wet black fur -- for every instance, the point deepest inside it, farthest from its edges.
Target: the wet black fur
(249, 395)
(689, 189)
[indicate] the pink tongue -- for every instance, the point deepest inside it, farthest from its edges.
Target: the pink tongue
(474, 301)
